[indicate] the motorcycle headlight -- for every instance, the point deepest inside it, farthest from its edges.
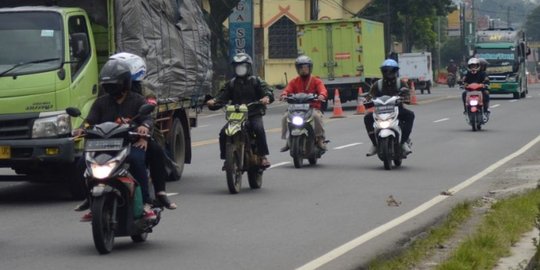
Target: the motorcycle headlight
(473, 102)
(51, 126)
(103, 171)
(298, 121)
(384, 124)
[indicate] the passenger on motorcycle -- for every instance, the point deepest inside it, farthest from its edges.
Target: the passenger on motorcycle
(452, 68)
(476, 75)
(391, 86)
(306, 83)
(121, 104)
(245, 88)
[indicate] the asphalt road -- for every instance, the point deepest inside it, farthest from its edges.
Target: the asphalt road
(299, 215)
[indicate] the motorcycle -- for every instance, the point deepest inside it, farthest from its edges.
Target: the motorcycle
(388, 130)
(115, 196)
(302, 140)
(474, 114)
(451, 80)
(241, 149)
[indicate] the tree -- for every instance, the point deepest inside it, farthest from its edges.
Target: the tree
(532, 25)
(412, 21)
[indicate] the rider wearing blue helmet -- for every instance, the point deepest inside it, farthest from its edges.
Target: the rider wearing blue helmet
(390, 85)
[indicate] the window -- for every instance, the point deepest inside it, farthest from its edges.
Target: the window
(282, 39)
(79, 45)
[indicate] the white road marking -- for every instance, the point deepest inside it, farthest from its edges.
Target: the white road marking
(347, 145)
(441, 120)
(280, 164)
(201, 126)
(172, 194)
(495, 106)
(513, 100)
(339, 251)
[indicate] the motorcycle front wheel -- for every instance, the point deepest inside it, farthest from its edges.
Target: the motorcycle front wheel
(254, 178)
(297, 151)
(138, 238)
(233, 168)
(386, 152)
(102, 224)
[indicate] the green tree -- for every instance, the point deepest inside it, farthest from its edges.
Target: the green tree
(412, 21)
(532, 25)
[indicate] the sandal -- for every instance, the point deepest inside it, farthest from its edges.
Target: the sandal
(265, 163)
(163, 199)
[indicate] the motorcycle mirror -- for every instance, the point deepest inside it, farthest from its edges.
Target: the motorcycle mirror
(73, 112)
(146, 109)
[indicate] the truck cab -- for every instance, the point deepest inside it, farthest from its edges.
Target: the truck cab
(505, 50)
(48, 62)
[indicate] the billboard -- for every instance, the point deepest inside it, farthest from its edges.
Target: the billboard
(241, 29)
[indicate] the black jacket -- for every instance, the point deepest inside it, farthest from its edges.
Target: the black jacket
(245, 90)
(106, 109)
(478, 77)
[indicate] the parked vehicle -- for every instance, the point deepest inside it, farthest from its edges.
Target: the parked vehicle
(388, 130)
(241, 149)
(50, 58)
(115, 196)
(417, 67)
(346, 53)
(475, 115)
(505, 49)
(302, 141)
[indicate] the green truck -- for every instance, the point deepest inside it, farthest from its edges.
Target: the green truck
(346, 53)
(50, 58)
(506, 52)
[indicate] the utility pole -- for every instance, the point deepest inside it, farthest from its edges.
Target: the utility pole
(388, 28)
(508, 17)
(438, 45)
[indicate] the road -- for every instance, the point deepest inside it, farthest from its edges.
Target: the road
(299, 215)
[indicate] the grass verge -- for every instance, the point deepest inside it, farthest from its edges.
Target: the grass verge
(499, 229)
(422, 248)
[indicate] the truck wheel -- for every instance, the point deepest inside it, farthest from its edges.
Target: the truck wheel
(516, 95)
(177, 146)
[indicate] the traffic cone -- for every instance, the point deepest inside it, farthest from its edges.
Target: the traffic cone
(360, 108)
(413, 94)
(338, 110)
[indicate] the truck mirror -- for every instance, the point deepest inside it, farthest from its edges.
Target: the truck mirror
(79, 45)
(528, 51)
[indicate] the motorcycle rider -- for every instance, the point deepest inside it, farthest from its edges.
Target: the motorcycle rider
(306, 83)
(118, 104)
(452, 67)
(245, 88)
(390, 85)
(476, 75)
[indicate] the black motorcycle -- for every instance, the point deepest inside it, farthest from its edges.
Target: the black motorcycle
(302, 141)
(115, 196)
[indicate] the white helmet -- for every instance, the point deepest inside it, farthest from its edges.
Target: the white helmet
(137, 66)
(473, 64)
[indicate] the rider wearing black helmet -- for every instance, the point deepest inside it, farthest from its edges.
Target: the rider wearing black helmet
(118, 104)
(245, 88)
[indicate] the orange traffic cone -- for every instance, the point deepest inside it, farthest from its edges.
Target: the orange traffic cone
(413, 94)
(360, 108)
(338, 110)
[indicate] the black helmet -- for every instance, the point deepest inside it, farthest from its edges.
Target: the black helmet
(242, 64)
(115, 77)
(303, 60)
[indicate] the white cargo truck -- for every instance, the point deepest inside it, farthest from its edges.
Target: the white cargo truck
(416, 67)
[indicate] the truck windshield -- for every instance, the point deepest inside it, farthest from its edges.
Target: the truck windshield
(31, 42)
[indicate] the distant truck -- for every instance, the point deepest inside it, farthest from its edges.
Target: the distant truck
(347, 54)
(506, 50)
(50, 58)
(417, 68)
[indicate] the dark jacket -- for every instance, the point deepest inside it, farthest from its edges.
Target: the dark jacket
(106, 109)
(246, 90)
(478, 77)
(388, 88)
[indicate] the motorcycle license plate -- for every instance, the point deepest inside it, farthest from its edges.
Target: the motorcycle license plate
(294, 107)
(384, 109)
(495, 86)
(5, 152)
(103, 144)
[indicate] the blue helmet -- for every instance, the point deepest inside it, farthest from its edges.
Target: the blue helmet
(390, 63)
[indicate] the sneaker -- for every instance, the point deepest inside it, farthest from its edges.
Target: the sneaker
(149, 213)
(406, 148)
(85, 205)
(163, 199)
(285, 148)
(372, 150)
(87, 217)
(321, 144)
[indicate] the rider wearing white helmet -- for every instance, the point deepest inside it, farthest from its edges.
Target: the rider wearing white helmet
(137, 67)
(475, 74)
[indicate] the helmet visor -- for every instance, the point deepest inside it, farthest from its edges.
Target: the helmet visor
(113, 89)
(388, 70)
